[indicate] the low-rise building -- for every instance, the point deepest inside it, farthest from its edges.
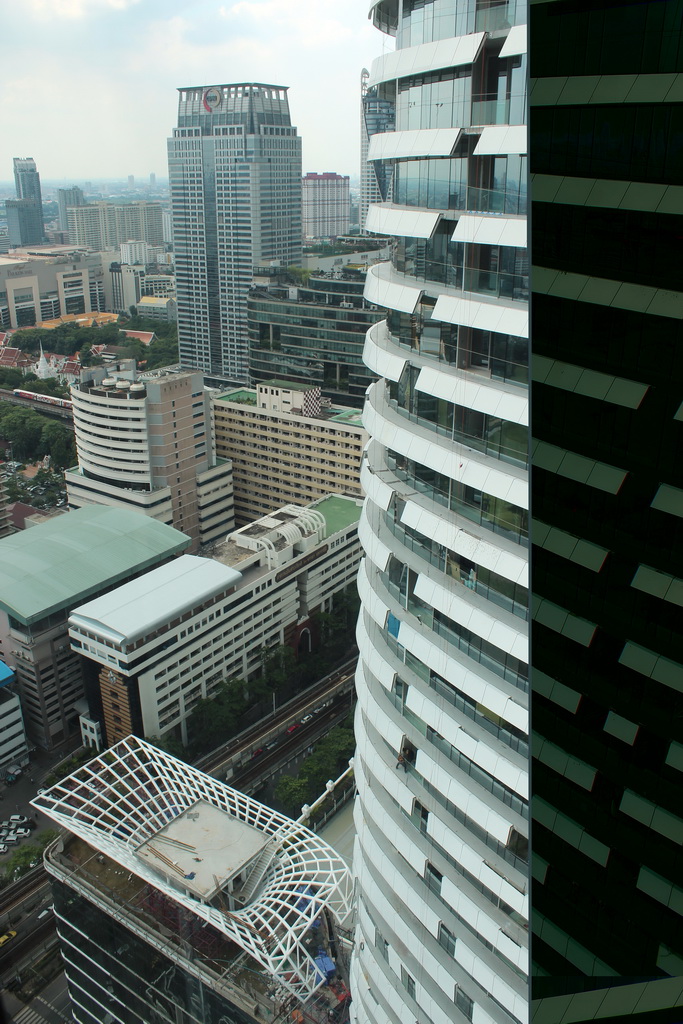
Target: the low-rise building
(38, 286)
(286, 444)
(154, 307)
(47, 571)
(158, 644)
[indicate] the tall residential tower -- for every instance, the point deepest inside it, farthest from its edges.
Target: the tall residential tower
(235, 180)
(441, 854)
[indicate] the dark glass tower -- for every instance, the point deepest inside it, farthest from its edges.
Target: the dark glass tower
(607, 309)
(25, 214)
(235, 179)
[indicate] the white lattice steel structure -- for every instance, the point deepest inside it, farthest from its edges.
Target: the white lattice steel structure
(441, 855)
(127, 796)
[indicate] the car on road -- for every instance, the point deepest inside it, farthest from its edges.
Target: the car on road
(272, 744)
(306, 718)
(17, 819)
(6, 937)
(293, 727)
(257, 753)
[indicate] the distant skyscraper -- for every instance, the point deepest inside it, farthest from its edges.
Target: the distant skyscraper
(235, 180)
(67, 197)
(131, 181)
(25, 215)
(152, 180)
(377, 115)
(441, 855)
(326, 204)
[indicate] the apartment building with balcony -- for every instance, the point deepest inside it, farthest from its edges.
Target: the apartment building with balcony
(286, 444)
(442, 815)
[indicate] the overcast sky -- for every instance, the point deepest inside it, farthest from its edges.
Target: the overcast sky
(88, 87)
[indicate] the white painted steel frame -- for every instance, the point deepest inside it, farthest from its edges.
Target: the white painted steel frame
(123, 797)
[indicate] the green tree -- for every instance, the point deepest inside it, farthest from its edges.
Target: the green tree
(23, 428)
(291, 793)
(58, 442)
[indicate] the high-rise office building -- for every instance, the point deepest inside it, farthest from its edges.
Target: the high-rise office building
(608, 502)
(326, 204)
(67, 197)
(377, 114)
(235, 180)
(146, 444)
(180, 899)
(441, 856)
(25, 214)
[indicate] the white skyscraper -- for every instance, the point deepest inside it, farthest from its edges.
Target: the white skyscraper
(441, 854)
(235, 180)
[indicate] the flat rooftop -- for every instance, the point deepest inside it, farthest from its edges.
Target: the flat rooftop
(144, 604)
(66, 559)
(339, 512)
(202, 849)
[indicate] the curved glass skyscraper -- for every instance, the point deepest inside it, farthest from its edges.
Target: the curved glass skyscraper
(442, 817)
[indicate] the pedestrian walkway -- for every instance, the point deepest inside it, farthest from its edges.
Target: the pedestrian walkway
(340, 832)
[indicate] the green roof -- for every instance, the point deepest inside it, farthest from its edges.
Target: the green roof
(242, 395)
(69, 558)
(290, 385)
(339, 512)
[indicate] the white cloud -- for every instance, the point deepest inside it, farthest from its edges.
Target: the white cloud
(74, 9)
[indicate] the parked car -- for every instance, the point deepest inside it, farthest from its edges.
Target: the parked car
(4, 847)
(6, 937)
(22, 833)
(17, 819)
(11, 838)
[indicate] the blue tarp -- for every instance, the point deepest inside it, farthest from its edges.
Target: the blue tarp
(326, 966)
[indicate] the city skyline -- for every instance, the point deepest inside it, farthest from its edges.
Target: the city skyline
(193, 43)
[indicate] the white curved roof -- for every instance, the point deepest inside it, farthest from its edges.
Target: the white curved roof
(124, 800)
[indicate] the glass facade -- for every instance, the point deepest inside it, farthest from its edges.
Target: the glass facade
(112, 970)
(313, 336)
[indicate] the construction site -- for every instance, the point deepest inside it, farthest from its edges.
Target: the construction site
(193, 900)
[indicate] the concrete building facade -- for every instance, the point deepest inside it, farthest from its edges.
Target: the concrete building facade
(105, 225)
(442, 854)
(158, 645)
(326, 204)
(146, 444)
(44, 573)
(285, 446)
(235, 180)
(44, 287)
(68, 197)
(13, 742)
